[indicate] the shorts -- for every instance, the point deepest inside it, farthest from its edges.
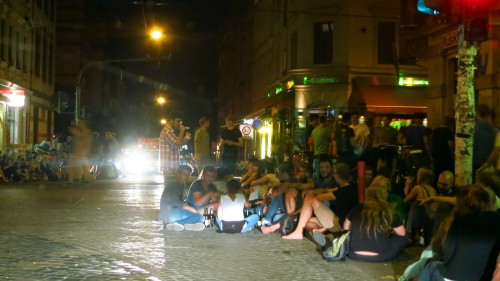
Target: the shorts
(326, 218)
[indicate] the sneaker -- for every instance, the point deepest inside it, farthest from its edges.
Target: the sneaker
(174, 226)
(194, 226)
(265, 222)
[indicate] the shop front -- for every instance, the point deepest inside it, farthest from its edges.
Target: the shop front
(397, 99)
(12, 115)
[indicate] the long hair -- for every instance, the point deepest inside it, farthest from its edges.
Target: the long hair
(377, 213)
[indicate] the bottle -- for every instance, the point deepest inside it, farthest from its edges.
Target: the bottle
(185, 193)
(211, 217)
(207, 218)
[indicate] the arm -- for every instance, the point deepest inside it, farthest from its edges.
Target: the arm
(347, 224)
(399, 231)
(440, 199)
(233, 143)
(219, 212)
(249, 180)
(260, 181)
(427, 142)
(413, 194)
(200, 200)
(302, 186)
(196, 145)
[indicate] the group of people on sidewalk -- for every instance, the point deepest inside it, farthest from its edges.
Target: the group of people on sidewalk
(459, 226)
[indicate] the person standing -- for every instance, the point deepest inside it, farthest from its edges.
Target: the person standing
(202, 144)
(231, 140)
(361, 135)
(344, 142)
(78, 159)
(170, 141)
(443, 147)
(484, 137)
(321, 142)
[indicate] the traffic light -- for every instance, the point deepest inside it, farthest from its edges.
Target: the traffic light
(475, 13)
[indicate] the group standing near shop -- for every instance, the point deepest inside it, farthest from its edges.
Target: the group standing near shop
(409, 193)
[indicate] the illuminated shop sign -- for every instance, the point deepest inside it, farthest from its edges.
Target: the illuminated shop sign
(411, 81)
(15, 96)
(319, 80)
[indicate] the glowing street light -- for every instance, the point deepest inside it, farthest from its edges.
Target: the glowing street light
(161, 100)
(163, 121)
(156, 34)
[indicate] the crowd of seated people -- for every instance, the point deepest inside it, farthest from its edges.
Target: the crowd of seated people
(381, 226)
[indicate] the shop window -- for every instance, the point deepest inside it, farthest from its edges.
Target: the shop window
(323, 43)
(385, 42)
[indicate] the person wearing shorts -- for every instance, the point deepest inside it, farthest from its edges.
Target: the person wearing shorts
(341, 199)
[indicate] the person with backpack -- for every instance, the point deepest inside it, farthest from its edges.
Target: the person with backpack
(230, 218)
(376, 232)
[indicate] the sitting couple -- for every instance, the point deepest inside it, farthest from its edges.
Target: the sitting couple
(178, 215)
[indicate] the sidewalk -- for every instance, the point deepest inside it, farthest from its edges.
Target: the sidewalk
(108, 231)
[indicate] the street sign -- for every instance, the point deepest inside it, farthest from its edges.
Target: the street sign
(246, 131)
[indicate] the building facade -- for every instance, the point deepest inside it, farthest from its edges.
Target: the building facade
(439, 37)
(285, 59)
(27, 44)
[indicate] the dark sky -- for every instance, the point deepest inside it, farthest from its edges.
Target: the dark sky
(190, 55)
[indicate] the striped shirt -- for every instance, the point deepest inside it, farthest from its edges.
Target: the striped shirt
(169, 151)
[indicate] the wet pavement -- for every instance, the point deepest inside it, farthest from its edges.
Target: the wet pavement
(107, 230)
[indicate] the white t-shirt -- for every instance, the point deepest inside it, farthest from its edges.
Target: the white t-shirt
(361, 133)
(232, 210)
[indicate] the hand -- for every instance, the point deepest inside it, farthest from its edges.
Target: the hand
(425, 201)
(409, 179)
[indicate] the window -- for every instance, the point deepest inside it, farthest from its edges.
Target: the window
(38, 51)
(3, 41)
(12, 45)
(386, 48)
(323, 43)
(293, 50)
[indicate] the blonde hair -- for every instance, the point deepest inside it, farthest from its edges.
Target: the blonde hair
(377, 213)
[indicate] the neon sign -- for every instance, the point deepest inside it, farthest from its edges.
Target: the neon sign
(410, 81)
(319, 80)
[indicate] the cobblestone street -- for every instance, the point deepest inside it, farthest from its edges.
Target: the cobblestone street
(107, 230)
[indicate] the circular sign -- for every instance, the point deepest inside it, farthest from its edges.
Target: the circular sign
(257, 124)
(246, 130)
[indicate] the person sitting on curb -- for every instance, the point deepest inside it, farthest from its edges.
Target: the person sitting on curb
(174, 213)
(342, 200)
(230, 210)
(294, 195)
(377, 233)
(202, 192)
(277, 195)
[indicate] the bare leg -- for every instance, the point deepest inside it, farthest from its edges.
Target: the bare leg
(307, 211)
(269, 229)
(290, 200)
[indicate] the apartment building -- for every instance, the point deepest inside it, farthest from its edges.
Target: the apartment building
(282, 60)
(27, 43)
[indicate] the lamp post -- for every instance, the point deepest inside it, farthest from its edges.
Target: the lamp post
(78, 92)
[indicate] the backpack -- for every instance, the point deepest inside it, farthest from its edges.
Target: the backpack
(338, 248)
(288, 224)
(233, 226)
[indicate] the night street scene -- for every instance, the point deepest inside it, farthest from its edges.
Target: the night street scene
(250, 140)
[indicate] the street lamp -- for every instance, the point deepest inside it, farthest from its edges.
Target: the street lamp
(161, 100)
(156, 34)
